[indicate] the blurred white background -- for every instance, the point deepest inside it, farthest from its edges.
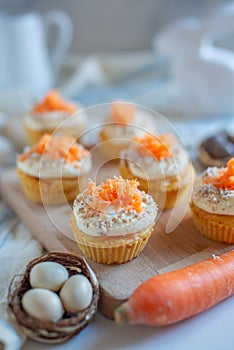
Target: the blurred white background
(125, 49)
(110, 25)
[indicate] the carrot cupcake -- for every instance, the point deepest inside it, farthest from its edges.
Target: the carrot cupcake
(161, 166)
(52, 114)
(124, 123)
(212, 203)
(54, 170)
(112, 222)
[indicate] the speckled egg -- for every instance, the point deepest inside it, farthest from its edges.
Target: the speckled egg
(49, 275)
(76, 293)
(42, 304)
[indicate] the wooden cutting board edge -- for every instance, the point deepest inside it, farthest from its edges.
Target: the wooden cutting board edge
(57, 241)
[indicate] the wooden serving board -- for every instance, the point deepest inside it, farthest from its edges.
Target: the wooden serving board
(164, 252)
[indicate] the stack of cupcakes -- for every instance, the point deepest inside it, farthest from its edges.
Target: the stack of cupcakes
(112, 221)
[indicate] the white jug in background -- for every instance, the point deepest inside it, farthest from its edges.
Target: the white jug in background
(203, 72)
(25, 60)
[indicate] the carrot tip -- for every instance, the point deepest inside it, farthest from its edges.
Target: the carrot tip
(120, 316)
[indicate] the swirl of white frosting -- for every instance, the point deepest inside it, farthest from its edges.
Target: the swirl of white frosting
(54, 119)
(113, 222)
(149, 168)
(142, 123)
(211, 199)
(46, 168)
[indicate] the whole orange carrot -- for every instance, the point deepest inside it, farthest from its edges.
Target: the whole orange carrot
(177, 295)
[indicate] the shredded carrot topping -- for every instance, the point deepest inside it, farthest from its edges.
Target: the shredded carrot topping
(56, 147)
(225, 178)
(54, 102)
(118, 192)
(158, 146)
(122, 112)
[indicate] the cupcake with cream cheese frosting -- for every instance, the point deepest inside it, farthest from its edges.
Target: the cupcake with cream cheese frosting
(125, 121)
(54, 114)
(54, 170)
(113, 221)
(161, 166)
(212, 203)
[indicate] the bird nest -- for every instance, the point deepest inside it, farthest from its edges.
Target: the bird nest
(71, 323)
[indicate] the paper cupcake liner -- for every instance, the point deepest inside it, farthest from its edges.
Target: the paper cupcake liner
(216, 227)
(111, 250)
(50, 191)
(167, 197)
(34, 135)
(111, 148)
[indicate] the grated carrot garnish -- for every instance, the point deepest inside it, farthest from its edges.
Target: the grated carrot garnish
(54, 102)
(122, 112)
(56, 147)
(225, 178)
(158, 146)
(118, 192)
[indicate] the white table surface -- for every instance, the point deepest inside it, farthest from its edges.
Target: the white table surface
(211, 330)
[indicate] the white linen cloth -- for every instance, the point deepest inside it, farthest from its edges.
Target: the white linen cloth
(17, 248)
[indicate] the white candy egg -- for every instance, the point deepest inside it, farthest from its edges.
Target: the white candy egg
(76, 293)
(42, 304)
(49, 275)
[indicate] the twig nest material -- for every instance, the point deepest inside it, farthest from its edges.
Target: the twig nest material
(71, 323)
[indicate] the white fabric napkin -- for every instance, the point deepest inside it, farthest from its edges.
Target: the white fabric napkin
(17, 248)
